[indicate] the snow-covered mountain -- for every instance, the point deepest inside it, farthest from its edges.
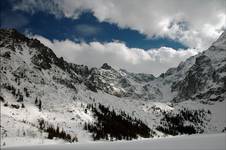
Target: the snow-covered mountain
(201, 77)
(45, 99)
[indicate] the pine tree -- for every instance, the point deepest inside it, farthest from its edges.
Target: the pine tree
(40, 105)
(36, 101)
(22, 106)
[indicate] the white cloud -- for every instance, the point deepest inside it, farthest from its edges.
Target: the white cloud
(196, 23)
(118, 55)
(87, 30)
(33, 6)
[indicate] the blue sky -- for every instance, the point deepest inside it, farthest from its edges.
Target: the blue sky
(148, 36)
(85, 28)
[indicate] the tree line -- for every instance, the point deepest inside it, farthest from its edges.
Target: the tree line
(184, 122)
(112, 126)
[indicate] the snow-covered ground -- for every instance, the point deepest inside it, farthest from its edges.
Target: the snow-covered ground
(194, 142)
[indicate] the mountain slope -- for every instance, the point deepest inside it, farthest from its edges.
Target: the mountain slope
(41, 93)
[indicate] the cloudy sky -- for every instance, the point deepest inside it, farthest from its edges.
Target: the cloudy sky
(138, 35)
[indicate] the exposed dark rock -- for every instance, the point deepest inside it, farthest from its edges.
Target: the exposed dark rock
(195, 79)
(142, 77)
(11, 35)
(81, 70)
(67, 83)
(170, 71)
(106, 66)
(6, 55)
(214, 92)
(90, 86)
(2, 99)
(41, 61)
(125, 82)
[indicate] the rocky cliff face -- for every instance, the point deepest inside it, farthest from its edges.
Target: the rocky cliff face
(205, 78)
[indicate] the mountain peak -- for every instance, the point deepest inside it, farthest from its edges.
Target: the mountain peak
(106, 66)
(221, 41)
(12, 34)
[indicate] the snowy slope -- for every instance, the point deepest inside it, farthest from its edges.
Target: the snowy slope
(197, 142)
(36, 85)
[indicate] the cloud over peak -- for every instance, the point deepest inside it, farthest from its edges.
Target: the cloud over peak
(118, 55)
